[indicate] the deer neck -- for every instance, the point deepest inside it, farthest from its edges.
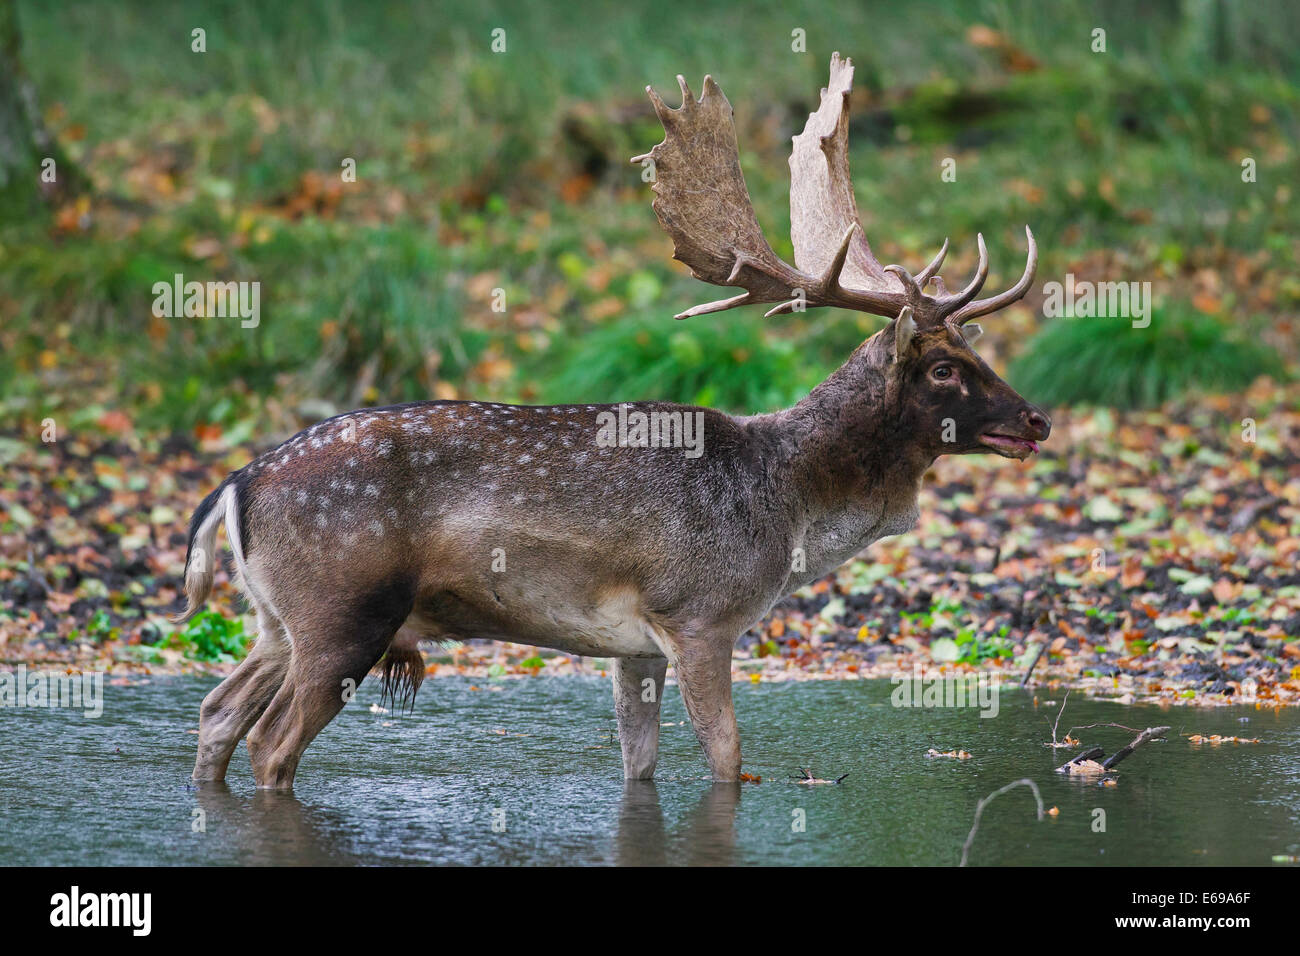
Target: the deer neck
(848, 454)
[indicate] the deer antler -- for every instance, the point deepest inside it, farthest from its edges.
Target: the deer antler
(823, 209)
(703, 204)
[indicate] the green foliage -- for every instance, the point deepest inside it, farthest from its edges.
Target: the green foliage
(463, 157)
(968, 645)
(974, 647)
(1105, 361)
(99, 628)
(354, 316)
(729, 361)
(211, 637)
(384, 291)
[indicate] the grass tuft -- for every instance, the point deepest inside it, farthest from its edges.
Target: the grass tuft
(1105, 361)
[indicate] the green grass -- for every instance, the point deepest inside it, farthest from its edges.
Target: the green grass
(729, 361)
(1105, 361)
(464, 157)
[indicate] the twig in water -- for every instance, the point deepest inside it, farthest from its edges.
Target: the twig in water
(1087, 762)
(1131, 730)
(1151, 733)
(1064, 701)
(806, 776)
(1076, 764)
(979, 811)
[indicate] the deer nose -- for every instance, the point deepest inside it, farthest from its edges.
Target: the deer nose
(1036, 421)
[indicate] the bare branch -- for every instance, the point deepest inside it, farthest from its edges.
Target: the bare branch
(979, 811)
(1064, 701)
(1131, 730)
(1151, 733)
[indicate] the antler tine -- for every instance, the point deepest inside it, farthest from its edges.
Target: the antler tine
(687, 96)
(958, 299)
(828, 290)
(1014, 294)
(925, 274)
(830, 280)
(910, 284)
(718, 305)
(663, 111)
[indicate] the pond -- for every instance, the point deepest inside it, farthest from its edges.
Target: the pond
(528, 772)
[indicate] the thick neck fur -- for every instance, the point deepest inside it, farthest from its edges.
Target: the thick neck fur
(844, 444)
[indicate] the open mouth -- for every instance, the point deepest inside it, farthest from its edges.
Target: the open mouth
(1009, 446)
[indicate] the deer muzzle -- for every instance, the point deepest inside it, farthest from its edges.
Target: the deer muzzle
(1019, 439)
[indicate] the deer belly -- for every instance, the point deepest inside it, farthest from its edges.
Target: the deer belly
(612, 626)
(602, 633)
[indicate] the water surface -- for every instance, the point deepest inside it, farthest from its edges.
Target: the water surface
(529, 772)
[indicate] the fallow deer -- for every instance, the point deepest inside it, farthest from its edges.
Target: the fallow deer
(369, 532)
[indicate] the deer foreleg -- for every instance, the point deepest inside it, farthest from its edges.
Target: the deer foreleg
(702, 664)
(638, 689)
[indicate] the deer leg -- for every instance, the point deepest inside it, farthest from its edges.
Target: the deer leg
(330, 660)
(234, 705)
(638, 689)
(702, 664)
(310, 697)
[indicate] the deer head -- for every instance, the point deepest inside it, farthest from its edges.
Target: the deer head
(938, 388)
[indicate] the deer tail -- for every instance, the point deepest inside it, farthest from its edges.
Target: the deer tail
(200, 554)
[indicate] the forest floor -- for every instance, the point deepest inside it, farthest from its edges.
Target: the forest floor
(1154, 554)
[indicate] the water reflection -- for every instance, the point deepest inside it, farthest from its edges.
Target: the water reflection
(707, 838)
(641, 839)
(271, 828)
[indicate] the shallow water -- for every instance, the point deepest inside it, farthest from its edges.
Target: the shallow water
(529, 772)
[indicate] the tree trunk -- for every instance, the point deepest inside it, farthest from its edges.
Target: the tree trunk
(25, 177)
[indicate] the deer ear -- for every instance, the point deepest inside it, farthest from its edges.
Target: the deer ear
(904, 330)
(971, 331)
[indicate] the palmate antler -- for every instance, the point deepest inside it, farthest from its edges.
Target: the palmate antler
(703, 204)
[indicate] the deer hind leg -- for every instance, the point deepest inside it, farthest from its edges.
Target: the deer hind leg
(333, 651)
(638, 690)
(234, 705)
(702, 663)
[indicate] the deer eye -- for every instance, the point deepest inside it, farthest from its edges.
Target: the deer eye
(942, 373)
